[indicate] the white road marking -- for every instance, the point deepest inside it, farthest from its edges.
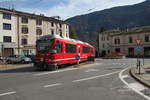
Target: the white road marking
(137, 86)
(63, 70)
(127, 84)
(52, 85)
(94, 77)
(115, 63)
(91, 70)
(51, 72)
(8, 93)
(125, 76)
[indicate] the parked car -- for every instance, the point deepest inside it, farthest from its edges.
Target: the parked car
(18, 59)
(32, 57)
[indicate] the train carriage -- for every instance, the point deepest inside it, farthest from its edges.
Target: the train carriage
(53, 50)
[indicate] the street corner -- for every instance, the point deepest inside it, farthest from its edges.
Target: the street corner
(142, 76)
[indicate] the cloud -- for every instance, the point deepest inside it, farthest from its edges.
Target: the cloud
(64, 8)
(10, 0)
(77, 7)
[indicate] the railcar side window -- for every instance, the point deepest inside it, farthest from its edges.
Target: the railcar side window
(70, 48)
(86, 50)
(58, 47)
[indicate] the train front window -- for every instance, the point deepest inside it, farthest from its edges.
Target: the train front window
(44, 45)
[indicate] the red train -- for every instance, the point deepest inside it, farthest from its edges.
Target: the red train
(53, 50)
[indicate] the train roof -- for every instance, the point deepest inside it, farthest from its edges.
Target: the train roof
(47, 37)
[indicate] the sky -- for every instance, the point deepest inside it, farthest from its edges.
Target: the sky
(64, 8)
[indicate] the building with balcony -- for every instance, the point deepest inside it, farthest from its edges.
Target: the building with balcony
(20, 30)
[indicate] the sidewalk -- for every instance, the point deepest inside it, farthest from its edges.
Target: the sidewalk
(13, 66)
(144, 77)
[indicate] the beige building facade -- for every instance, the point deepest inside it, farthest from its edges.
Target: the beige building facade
(126, 42)
(21, 30)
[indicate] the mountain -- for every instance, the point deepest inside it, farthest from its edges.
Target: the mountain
(87, 26)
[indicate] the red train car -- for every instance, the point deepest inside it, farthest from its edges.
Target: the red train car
(53, 50)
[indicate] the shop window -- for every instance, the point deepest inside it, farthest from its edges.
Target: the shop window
(117, 49)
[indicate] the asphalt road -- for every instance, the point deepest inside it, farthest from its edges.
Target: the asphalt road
(105, 79)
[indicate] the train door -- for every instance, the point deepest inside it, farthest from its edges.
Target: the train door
(70, 53)
(79, 55)
(78, 49)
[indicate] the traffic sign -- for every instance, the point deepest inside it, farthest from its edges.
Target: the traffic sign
(138, 41)
(138, 48)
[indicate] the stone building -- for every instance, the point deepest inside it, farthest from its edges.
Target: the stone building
(20, 30)
(105, 42)
(126, 41)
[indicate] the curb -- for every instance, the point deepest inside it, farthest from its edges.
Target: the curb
(6, 66)
(139, 79)
(9, 67)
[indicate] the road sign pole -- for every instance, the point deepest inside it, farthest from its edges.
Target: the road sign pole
(139, 49)
(139, 63)
(143, 59)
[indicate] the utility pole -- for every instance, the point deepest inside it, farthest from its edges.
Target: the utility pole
(139, 48)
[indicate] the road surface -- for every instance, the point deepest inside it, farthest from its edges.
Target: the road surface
(106, 79)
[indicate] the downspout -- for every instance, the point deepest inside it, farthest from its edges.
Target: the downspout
(18, 36)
